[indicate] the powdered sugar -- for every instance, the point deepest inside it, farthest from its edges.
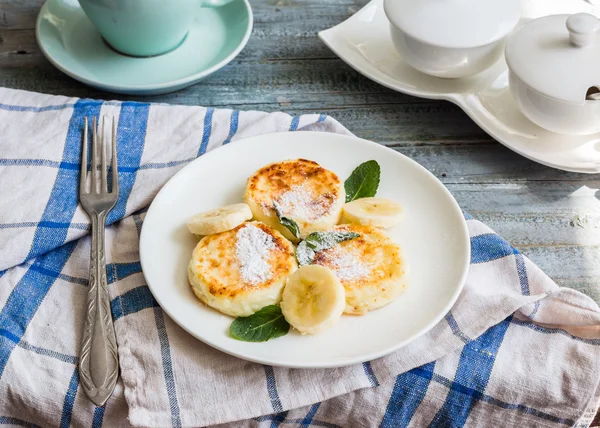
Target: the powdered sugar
(253, 247)
(299, 202)
(346, 265)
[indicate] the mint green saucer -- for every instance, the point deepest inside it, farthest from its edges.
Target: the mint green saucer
(70, 42)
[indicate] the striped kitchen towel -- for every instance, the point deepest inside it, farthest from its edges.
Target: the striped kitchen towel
(515, 350)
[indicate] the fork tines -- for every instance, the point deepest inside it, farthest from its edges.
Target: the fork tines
(98, 143)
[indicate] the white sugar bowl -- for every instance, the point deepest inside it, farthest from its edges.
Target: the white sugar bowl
(554, 65)
(451, 38)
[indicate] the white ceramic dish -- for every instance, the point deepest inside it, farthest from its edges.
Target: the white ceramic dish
(553, 61)
(434, 238)
(363, 41)
(451, 38)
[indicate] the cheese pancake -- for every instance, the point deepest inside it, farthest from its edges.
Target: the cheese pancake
(305, 191)
(370, 268)
(242, 270)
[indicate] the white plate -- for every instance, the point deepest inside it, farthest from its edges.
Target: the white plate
(363, 41)
(434, 237)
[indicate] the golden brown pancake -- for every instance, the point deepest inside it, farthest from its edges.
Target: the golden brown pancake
(370, 268)
(242, 270)
(306, 192)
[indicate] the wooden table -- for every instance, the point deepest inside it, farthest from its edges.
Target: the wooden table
(551, 216)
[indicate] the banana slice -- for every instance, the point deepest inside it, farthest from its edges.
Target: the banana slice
(313, 299)
(374, 212)
(219, 220)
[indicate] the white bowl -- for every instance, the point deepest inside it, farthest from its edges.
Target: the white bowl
(445, 62)
(555, 115)
(451, 38)
(553, 62)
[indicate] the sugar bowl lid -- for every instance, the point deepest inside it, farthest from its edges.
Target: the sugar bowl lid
(557, 56)
(454, 23)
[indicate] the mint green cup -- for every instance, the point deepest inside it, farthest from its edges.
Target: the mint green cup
(144, 27)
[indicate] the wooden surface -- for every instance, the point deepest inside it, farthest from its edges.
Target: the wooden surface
(551, 216)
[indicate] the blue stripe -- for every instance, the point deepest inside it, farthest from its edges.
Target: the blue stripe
(7, 420)
(165, 351)
(10, 336)
(118, 271)
(314, 423)
(48, 224)
(295, 123)
(455, 328)
(2, 272)
(26, 297)
(536, 308)
(160, 165)
(527, 410)
(474, 370)
(98, 417)
(233, 126)
(272, 389)
(522, 272)
(278, 419)
(370, 374)
(322, 118)
(131, 135)
(57, 275)
(467, 216)
(64, 196)
(488, 247)
(307, 421)
(10, 107)
(207, 130)
(37, 162)
(408, 393)
(35, 109)
(41, 351)
(453, 386)
(548, 330)
(75, 166)
(114, 272)
(133, 301)
(48, 353)
(65, 420)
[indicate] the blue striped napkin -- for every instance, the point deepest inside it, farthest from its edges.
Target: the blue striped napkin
(516, 349)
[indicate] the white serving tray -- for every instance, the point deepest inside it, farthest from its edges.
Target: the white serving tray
(363, 42)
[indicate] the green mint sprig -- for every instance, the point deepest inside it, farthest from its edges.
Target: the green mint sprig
(363, 182)
(268, 323)
(319, 241)
(289, 223)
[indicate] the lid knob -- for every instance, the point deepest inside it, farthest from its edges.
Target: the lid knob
(582, 28)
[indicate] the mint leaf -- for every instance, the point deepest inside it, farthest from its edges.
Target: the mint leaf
(363, 182)
(319, 241)
(268, 323)
(304, 254)
(290, 224)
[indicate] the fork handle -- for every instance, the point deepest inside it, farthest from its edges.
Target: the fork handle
(98, 361)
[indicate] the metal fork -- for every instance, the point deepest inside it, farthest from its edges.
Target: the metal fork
(98, 361)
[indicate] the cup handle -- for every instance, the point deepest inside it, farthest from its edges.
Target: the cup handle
(214, 3)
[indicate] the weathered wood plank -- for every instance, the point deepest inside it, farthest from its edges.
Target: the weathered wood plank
(19, 49)
(19, 15)
(22, 14)
(480, 161)
(574, 267)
